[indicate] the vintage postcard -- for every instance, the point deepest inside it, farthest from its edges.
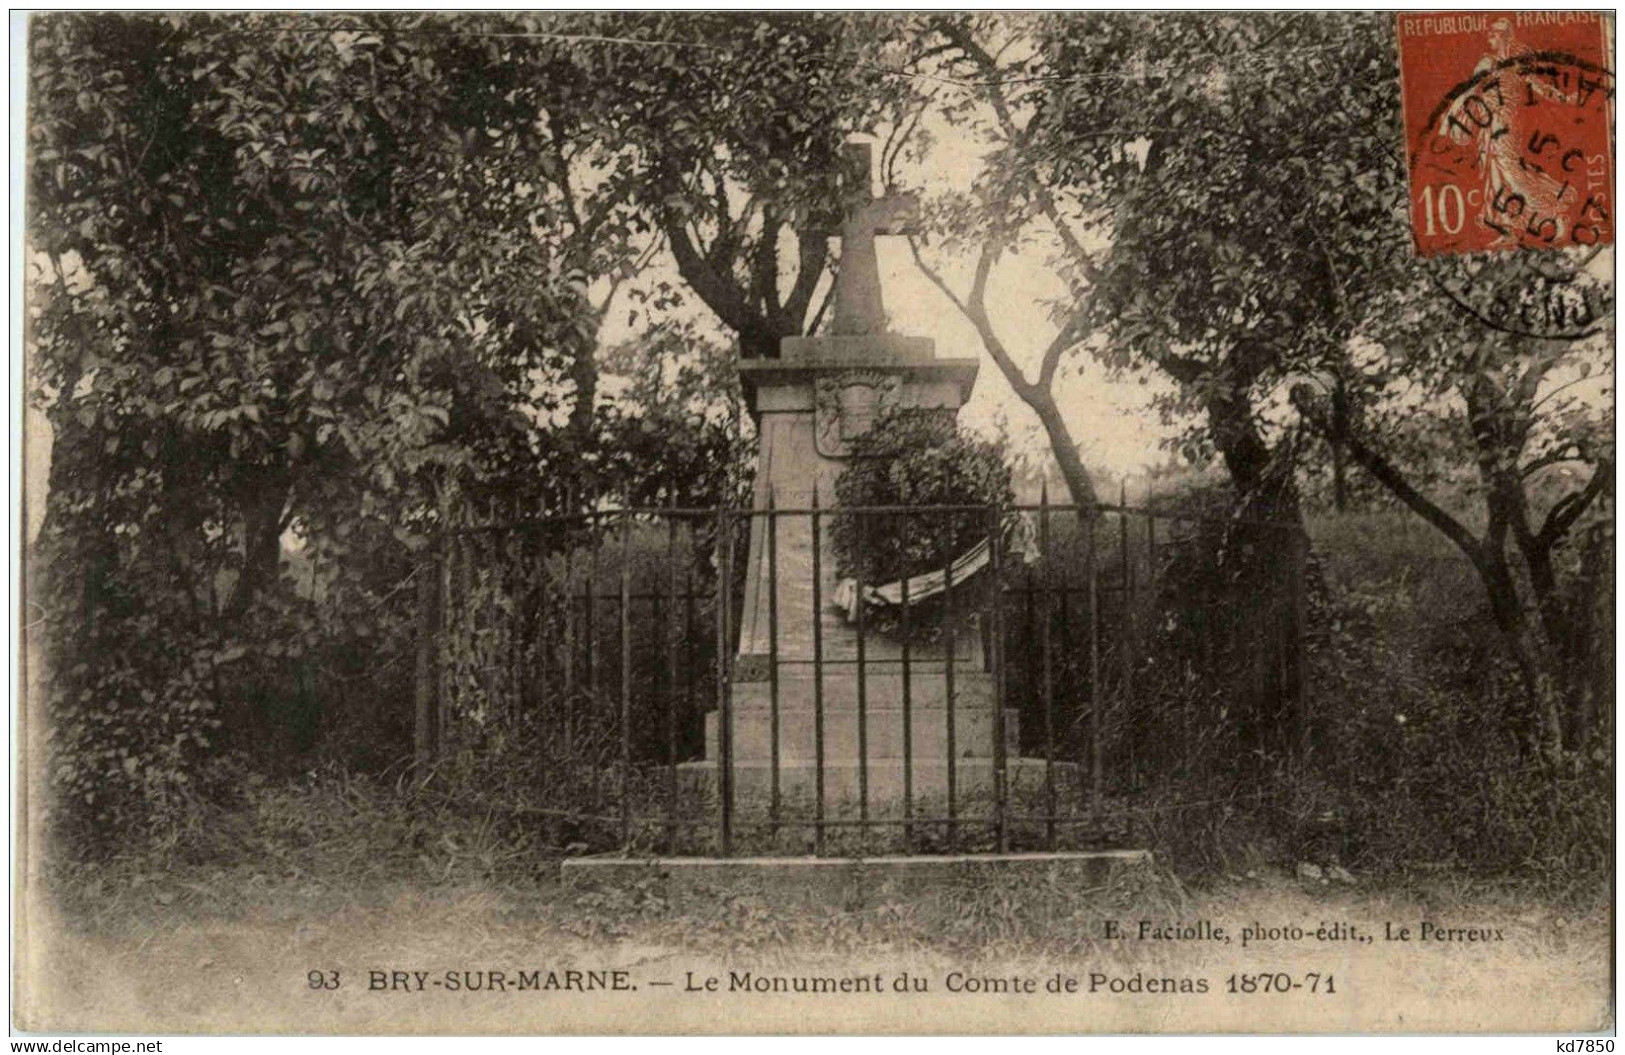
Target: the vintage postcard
(697, 523)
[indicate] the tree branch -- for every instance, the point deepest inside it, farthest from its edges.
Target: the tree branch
(974, 309)
(1572, 506)
(814, 254)
(823, 306)
(1387, 475)
(1182, 368)
(1037, 397)
(1064, 339)
(935, 277)
(1565, 453)
(1018, 138)
(765, 268)
(557, 137)
(720, 295)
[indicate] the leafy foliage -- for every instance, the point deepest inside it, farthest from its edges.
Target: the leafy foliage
(303, 287)
(672, 432)
(1234, 220)
(293, 279)
(307, 290)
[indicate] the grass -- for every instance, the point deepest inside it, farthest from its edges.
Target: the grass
(209, 948)
(217, 927)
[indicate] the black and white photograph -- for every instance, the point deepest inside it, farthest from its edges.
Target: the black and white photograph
(784, 522)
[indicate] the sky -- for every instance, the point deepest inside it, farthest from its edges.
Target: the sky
(1110, 418)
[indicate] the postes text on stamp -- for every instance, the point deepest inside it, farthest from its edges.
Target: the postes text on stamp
(1508, 123)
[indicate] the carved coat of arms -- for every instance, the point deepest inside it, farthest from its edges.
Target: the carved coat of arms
(846, 405)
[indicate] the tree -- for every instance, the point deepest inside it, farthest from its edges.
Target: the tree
(1260, 235)
(1178, 205)
(672, 430)
(1527, 416)
(744, 135)
(1248, 188)
(297, 274)
(1226, 200)
(1008, 205)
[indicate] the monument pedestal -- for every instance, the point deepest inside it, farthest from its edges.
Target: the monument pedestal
(809, 405)
(803, 405)
(884, 728)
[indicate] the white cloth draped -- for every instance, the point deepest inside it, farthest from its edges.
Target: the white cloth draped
(927, 585)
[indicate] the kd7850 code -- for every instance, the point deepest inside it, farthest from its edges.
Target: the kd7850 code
(1280, 982)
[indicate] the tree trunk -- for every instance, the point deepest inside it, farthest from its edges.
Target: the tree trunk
(1268, 584)
(1267, 492)
(262, 542)
(1073, 471)
(1340, 413)
(425, 676)
(584, 375)
(1541, 724)
(1592, 633)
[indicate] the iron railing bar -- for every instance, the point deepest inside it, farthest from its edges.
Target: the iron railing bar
(863, 694)
(1301, 675)
(818, 675)
(1096, 697)
(1000, 786)
(626, 685)
(773, 647)
(724, 710)
(545, 633)
(707, 512)
(1126, 643)
(512, 561)
(908, 723)
(691, 663)
(1048, 673)
(669, 640)
(593, 665)
(952, 660)
(646, 822)
(569, 658)
(1011, 591)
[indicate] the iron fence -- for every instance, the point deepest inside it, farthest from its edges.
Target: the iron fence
(683, 680)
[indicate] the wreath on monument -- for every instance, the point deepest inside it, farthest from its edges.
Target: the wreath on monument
(914, 457)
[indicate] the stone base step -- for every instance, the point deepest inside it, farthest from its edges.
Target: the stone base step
(882, 687)
(883, 727)
(973, 778)
(828, 881)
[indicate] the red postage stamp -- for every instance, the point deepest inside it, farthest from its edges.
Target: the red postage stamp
(1509, 129)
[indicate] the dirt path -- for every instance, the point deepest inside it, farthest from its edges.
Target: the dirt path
(186, 963)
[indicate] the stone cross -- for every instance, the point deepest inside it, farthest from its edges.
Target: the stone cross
(859, 309)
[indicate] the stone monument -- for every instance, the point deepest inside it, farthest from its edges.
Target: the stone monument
(809, 405)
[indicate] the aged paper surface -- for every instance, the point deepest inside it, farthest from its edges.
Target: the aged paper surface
(323, 888)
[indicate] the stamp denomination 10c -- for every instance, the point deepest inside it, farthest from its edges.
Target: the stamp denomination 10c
(1508, 122)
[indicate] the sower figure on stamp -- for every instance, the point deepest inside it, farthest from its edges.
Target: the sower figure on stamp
(1514, 187)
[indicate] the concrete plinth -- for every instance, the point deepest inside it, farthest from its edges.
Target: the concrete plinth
(798, 781)
(860, 880)
(882, 727)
